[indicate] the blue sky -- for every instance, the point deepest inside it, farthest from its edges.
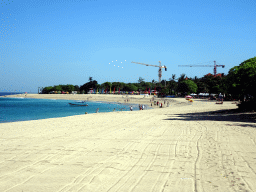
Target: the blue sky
(54, 42)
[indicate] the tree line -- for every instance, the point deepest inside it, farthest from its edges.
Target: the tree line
(237, 84)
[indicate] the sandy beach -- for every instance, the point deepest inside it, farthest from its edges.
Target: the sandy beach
(199, 146)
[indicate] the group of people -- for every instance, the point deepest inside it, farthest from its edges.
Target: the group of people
(160, 104)
(141, 107)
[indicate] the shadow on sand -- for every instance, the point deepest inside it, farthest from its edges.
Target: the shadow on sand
(233, 115)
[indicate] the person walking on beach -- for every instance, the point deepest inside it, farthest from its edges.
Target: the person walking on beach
(157, 103)
(142, 107)
(131, 108)
(97, 110)
(220, 97)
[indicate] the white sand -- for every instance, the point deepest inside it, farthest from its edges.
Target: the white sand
(164, 149)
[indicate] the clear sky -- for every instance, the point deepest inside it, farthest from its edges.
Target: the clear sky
(52, 42)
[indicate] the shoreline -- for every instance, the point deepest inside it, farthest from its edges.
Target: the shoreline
(132, 99)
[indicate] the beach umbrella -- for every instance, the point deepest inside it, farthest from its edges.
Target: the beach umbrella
(188, 97)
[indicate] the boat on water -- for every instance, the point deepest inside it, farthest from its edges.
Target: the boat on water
(78, 104)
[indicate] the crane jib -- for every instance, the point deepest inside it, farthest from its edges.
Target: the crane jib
(159, 66)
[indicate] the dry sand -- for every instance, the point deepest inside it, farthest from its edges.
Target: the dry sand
(184, 147)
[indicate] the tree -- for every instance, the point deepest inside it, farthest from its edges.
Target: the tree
(242, 80)
(90, 79)
(172, 84)
(192, 87)
(106, 85)
(147, 85)
(77, 88)
(173, 76)
(130, 87)
(87, 86)
(181, 78)
(67, 88)
(47, 90)
(57, 88)
(141, 80)
(122, 86)
(116, 85)
(183, 88)
(163, 82)
(97, 87)
(163, 92)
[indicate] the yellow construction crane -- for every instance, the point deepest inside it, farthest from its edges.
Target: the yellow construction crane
(159, 71)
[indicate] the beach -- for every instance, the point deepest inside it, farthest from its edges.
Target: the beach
(188, 146)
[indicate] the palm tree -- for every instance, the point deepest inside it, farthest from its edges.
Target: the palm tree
(182, 77)
(173, 76)
(173, 83)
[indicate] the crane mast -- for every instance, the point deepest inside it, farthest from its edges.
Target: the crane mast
(159, 70)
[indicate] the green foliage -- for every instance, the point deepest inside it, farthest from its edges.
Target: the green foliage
(163, 82)
(242, 79)
(60, 88)
(131, 87)
(87, 86)
(77, 88)
(163, 92)
(191, 86)
(106, 85)
(182, 88)
(57, 88)
(116, 85)
(47, 90)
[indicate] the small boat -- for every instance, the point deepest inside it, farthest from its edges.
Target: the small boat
(77, 104)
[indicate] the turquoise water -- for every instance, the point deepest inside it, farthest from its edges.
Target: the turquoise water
(10, 93)
(24, 109)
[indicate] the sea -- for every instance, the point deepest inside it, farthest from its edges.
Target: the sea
(26, 109)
